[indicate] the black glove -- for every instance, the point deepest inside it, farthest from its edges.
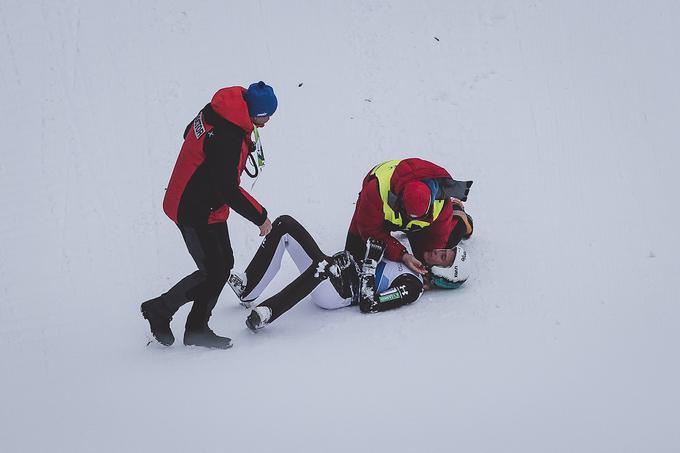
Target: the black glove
(368, 302)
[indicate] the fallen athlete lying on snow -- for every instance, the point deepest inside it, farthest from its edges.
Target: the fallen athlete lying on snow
(338, 281)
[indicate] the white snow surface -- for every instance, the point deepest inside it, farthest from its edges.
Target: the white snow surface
(564, 113)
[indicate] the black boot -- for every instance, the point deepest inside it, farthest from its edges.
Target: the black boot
(196, 330)
(345, 273)
(159, 316)
(207, 338)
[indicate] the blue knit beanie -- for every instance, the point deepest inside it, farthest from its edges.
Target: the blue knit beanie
(261, 100)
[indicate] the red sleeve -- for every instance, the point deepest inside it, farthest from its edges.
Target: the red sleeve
(370, 221)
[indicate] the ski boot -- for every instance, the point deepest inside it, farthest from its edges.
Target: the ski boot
(237, 282)
(258, 318)
(342, 271)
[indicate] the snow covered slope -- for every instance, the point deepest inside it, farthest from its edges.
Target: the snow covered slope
(564, 113)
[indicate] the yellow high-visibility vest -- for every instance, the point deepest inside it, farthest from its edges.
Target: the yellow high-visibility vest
(383, 173)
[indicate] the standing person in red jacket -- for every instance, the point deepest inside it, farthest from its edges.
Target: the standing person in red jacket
(204, 184)
(413, 196)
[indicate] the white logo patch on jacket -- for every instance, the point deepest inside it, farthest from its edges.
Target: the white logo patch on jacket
(199, 129)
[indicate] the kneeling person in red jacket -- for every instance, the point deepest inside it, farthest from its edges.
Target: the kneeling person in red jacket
(413, 196)
(204, 184)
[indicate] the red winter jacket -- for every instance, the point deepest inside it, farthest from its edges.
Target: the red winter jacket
(206, 179)
(369, 219)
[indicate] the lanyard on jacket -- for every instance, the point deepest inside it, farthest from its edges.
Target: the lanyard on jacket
(259, 152)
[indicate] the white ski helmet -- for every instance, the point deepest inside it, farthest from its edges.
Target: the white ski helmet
(452, 276)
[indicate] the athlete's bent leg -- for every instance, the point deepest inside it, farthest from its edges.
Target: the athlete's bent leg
(287, 233)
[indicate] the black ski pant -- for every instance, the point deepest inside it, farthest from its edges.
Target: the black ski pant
(210, 247)
(286, 228)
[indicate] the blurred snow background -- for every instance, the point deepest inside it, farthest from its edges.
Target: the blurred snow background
(564, 113)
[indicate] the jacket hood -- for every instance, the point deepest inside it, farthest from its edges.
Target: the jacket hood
(230, 105)
(415, 169)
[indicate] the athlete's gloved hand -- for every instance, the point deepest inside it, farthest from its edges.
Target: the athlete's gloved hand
(368, 302)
